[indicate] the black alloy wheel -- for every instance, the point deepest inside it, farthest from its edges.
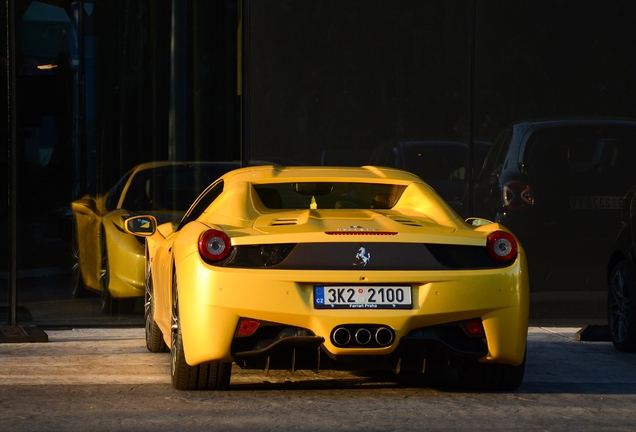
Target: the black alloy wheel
(154, 337)
(104, 280)
(621, 316)
(205, 376)
(77, 281)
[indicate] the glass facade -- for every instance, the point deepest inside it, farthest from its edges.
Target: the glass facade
(94, 88)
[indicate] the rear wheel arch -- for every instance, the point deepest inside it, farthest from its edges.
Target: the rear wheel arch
(491, 376)
(616, 257)
(204, 376)
(154, 337)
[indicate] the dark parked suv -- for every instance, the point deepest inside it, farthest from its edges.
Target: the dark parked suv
(441, 164)
(559, 186)
(621, 280)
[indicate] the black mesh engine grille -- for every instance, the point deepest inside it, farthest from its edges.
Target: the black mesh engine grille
(257, 256)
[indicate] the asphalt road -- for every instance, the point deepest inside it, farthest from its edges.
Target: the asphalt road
(105, 380)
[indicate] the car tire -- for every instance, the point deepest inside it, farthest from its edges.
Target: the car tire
(621, 310)
(205, 376)
(154, 337)
(77, 281)
(478, 376)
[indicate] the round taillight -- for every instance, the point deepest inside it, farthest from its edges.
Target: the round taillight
(214, 245)
(501, 246)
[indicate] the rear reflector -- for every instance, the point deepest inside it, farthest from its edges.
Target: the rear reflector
(247, 327)
(474, 328)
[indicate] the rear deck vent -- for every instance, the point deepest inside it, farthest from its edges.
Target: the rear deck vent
(284, 222)
(408, 222)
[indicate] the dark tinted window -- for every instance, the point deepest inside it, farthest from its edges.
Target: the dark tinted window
(385, 155)
(597, 156)
(169, 188)
(322, 195)
(115, 193)
(435, 161)
(495, 156)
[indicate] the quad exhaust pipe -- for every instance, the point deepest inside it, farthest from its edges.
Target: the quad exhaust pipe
(384, 336)
(341, 336)
(368, 336)
(363, 336)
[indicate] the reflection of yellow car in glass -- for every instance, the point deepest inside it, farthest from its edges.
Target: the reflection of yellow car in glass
(333, 268)
(107, 259)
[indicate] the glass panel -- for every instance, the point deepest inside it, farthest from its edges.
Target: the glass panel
(321, 195)
(360, 82)
(94, 96)
(347, 82)
(5, 169)
(557, 183)
(52, 66)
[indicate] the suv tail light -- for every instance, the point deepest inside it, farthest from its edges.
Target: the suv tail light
(214, 245)
(501, 246)
(517, 195)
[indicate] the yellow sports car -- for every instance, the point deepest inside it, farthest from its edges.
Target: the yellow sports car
(333, 268)
(108, 260)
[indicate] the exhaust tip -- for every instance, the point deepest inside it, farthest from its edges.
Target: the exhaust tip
(363, 336)
(384, 336)
(341, 336)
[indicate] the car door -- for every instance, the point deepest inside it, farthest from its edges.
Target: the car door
(88, 222)
(90, 216)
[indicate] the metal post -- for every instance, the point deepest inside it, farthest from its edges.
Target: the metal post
(471, 127)
(14, 333)
(12, 161)
(178, 115)
(244, 80)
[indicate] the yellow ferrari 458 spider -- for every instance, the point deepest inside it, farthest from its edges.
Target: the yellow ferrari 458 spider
(110, 261)
(333, 268)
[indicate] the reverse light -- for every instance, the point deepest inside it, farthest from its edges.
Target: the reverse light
(214, 245)
(247, 327)
(501, 246)
(517, 195)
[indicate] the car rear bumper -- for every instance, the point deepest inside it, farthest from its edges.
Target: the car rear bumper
(212, 301)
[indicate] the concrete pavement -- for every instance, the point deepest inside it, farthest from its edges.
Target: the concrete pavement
(105, 380)
(119, 356)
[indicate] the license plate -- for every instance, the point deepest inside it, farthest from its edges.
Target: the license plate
(362, 297)
(596, 203)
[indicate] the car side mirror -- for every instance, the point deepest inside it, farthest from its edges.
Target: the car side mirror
(141, 226)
